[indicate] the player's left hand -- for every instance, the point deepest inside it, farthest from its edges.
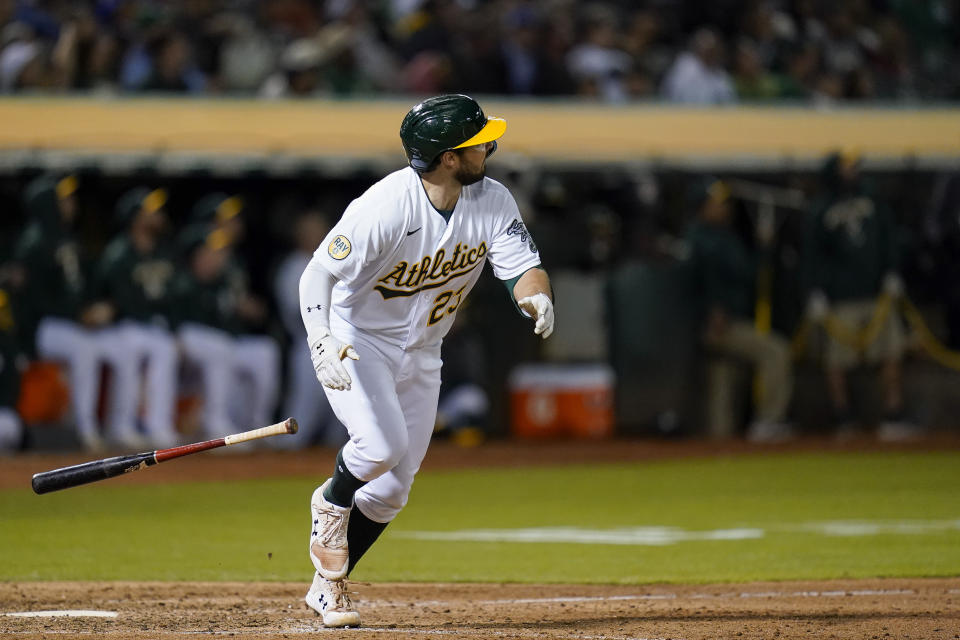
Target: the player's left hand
(540, 308)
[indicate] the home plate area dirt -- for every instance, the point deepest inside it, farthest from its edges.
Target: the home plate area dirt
(871, 609)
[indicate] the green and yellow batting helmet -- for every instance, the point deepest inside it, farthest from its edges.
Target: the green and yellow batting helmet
(443, 123)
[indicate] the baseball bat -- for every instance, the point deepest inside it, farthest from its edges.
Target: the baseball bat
(78, 474)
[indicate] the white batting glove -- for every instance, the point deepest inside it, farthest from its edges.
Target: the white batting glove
(541, 309)
(326, 353)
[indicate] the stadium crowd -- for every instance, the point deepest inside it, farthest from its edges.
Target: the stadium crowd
(620, 50)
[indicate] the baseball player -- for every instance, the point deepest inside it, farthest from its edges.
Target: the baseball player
(209, 297)
(51, 274)
(132, 284)
(377, 298)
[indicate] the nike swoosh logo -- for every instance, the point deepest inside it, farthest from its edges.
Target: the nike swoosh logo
(410, 233)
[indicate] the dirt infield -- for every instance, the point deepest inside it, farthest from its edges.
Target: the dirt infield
(872, 609)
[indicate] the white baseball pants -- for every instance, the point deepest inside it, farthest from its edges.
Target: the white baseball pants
(11, 429)
(129, 347)
(258, 358)
(389, 413)
(223, 360)
(79, 347)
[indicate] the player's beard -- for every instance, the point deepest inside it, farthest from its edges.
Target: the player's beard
(467, 177)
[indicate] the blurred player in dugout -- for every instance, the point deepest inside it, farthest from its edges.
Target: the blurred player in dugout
(131, 289)
(218, 322)
(725, 274)
(852, 257)
(49, 276)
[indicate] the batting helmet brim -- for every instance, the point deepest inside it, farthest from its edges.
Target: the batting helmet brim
(494, 128)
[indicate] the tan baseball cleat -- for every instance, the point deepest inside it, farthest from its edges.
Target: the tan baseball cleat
(331, 599)
(328, 536)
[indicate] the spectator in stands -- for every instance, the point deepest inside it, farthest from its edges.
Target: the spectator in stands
(50, 275)
(851, 259)
(299, 75)
(246, 56)
(843, 50)
(428, 72)
(486, 63)
(643, 41)
(557, 39)
(23, 66)
(85, 54)
(530, 66)
(753, 80)
(598, 64)
(725, 273)
(763, 29)
(132, 285)
(697, 76)
(172, 66)
(432, 28)
(240, 372)
(802, 67)
(518, 51)
(343, 69)
(304, 400)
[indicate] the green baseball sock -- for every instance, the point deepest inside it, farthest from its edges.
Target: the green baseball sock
(362, 532)
(343, 485)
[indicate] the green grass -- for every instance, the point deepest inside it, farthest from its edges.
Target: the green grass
(256, 530)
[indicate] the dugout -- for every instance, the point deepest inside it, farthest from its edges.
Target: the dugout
(605, 202)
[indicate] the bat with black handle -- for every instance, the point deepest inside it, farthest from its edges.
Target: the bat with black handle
(78, 474)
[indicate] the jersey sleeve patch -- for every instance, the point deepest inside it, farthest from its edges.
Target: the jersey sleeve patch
(517, 228)
(339, 248)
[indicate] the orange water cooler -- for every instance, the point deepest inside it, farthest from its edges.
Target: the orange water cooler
(551, 400)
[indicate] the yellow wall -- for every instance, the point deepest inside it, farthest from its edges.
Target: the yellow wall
(561, 131)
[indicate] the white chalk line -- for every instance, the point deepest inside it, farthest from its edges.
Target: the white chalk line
(664, 535)
(65, 613)
(644, 536)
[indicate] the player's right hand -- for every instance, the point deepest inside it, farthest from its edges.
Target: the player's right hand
(327, 353)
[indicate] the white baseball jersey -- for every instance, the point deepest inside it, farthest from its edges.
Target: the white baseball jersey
(404, 270)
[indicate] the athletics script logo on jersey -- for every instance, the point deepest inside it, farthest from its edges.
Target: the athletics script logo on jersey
(517, 228)
(431, 271)
(339, 248)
